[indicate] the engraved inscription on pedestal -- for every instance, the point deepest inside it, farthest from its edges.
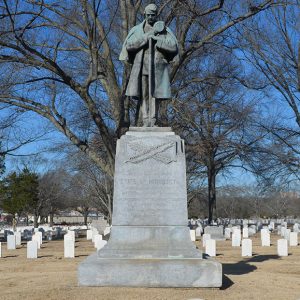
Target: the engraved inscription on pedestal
(142, 151)
(150, 187)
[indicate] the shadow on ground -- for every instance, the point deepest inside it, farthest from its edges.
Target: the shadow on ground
(226, 283)
(244, 266)
(44, 256)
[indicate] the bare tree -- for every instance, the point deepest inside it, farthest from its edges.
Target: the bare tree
(59, 60)
(272, 48)
(54, 187)
(91, 188)
(219, 123)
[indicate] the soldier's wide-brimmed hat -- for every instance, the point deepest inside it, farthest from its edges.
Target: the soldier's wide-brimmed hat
(150, 9)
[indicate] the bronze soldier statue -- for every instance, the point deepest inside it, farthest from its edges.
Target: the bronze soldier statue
(149, 47)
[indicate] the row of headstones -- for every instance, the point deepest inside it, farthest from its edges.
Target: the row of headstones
(48, 232)
(32, 246)
(14, 240)
(37, 241)
(91, 234)
(291, 237)
(282, 244)
(257, 222)
(217, 232)
(210, 247)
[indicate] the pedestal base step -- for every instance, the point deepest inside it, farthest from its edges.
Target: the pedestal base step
(150, 272)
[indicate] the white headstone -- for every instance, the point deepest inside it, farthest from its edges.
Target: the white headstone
(263, 232)
(236, 230)
(69, 246)
(227, 233)
(246, 247)
(94, 232)
(89, 234)
(71, 233)
(18, 238)
(282, 231)
(245, 232)
(251, 230)
(100, 244)
(296, 227)
(37, 238)
(210, 247)
(265, 239)
(193, 235)
(279, 229)
(0, 249)
(282, 247)
(106, 230)
(287, 234)
(97, 238)
(199, 231)
(236, 239)
(40, 235)
(11, 242)
(294, 239)
(205, 237)
(32, 249)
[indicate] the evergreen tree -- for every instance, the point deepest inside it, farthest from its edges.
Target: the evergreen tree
(19, 193)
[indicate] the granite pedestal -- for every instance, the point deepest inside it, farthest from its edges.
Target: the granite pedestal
(150, 242)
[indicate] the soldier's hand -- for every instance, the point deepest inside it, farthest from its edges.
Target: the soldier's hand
(150, 35)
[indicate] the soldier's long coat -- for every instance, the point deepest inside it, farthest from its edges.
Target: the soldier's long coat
(166, 50)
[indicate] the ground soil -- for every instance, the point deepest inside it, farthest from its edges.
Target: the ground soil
(264, 276)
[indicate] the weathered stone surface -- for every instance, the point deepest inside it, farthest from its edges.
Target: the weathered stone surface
(265, 237)
(150, 242)
(32, 249)
(199, 231)
(293, 239)
(205, 237)
(89, 234)
(18, 238)
(193, 235)
(216, 232)
(236, 239)
(227, 233)
(37, 238)
(100, 244)
(245, 232)
(136, 272)
(282, 247)
(100, 225)
(97, 238)
(11, 242)
(246, 247)
(210, 248)
(69, 246)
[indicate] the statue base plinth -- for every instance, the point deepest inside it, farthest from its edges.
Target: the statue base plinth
(150, 244)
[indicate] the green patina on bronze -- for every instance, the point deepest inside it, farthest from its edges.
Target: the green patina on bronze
(149, 46)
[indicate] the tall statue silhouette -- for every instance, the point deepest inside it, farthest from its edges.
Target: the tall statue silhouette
(149, 46)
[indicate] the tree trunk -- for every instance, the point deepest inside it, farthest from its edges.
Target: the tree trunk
(85, 216)
(51, 215)
(35, 221)
(211, 193)
(14, 223)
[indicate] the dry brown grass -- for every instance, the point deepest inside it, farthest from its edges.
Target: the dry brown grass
(264, 276)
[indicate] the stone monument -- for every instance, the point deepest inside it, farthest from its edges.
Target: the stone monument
(150, 244)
